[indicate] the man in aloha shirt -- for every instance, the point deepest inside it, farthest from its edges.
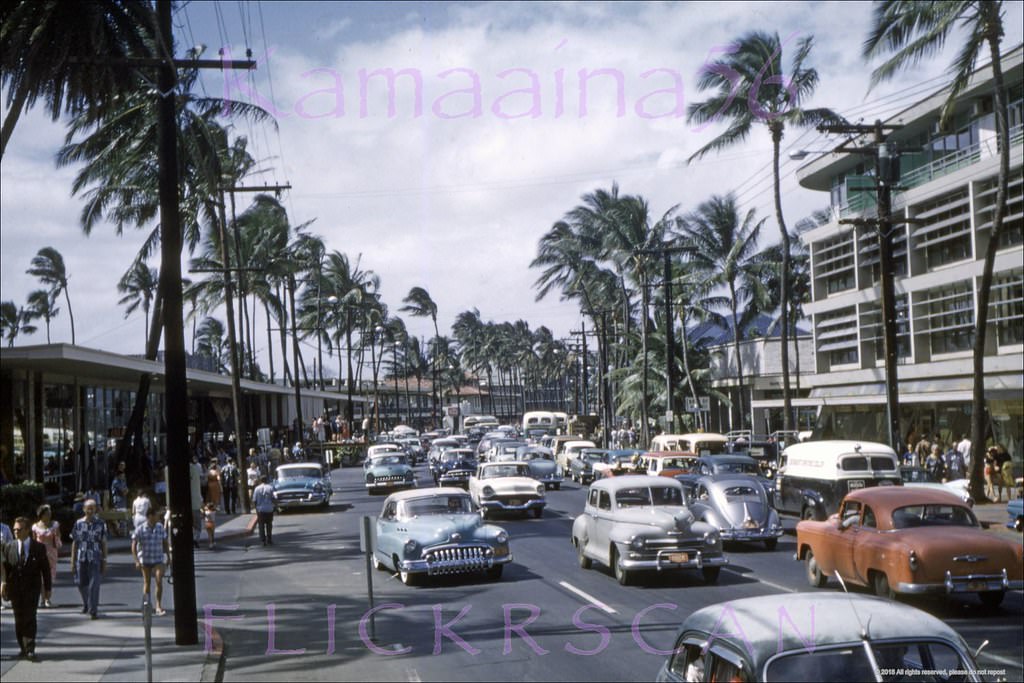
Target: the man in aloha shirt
(89, 557)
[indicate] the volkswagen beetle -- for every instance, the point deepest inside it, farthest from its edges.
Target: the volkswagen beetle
(542, 465)
(738, 507)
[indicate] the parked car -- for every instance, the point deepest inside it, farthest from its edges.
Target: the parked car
(1015, 511)
(702, 443)
(567, 450)
(910, 541)
(542, 465)
(635, 523)
(813, 477)
(437, 531)
(507, 487)
(454, 467)
(918, 476)
(855, 638)
(389, 470)
(302, 485)
(736, 505)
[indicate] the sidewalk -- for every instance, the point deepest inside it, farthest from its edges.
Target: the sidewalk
(73, 647)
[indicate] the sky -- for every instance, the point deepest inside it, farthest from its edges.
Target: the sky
(502, 117)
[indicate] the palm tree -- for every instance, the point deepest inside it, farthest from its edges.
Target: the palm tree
(15, 321)
(724, 249)
(139, 286)
(211, 342)
(751, 87)
(419, 305)
(913, 31)
(48, 266)
(41, 303)
(68, 54)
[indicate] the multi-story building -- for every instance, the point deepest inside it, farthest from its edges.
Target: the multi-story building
(947, 192)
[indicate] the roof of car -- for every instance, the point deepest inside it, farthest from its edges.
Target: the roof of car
(884, 499)
(631, 481)
(295, 465)
(808, 448)
(766, 625)
(422, 493)
(727, 459)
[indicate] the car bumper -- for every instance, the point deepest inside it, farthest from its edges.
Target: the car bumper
(501, 505)
(749, 534)
(550, 479)
(398, 484)
(668, 559)
(969, 583)
(455, 560)
(310, 500)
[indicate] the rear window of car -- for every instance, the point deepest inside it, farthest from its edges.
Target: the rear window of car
(913, 516)
(736, 468)
(298, 472)
(741, 493)
(859, 463)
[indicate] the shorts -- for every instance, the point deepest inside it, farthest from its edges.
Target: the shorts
(151, 565)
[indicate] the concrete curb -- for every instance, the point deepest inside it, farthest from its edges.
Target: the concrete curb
(216, 658)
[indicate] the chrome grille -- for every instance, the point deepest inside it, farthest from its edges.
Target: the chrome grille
(458, 559)
(675, 544)
(387, 478)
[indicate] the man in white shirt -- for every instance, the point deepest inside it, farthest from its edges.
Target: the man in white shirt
(964, 449)
(264, 500)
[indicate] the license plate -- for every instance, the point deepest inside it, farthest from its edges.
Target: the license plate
(855, 484)
(679, 558)
(515, 501)
(750, 525)
(974, 586)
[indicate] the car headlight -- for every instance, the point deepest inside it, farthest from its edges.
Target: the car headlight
(637, 543)
(502, 537)
(711, 538)
(540, 490)
(487, 492)
(410, 547)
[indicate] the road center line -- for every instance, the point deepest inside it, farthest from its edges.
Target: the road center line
(998, 658)
(412, 676)
(586, 596)
(777, 586)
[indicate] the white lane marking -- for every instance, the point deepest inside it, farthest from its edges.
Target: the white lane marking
(412, 676)
(586, 596)
(777, 586)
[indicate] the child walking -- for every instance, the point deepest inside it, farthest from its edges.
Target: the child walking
(210, 521)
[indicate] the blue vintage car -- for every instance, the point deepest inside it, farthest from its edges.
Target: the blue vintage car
(1015, 512)
(302, 484)
(542, 465)
(388, 471)
(736, 505)
(454, 467)
(437, 531)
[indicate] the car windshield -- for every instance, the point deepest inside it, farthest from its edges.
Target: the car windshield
(645, 496)
(709, 447)
(510, 470)
(735, 468)
(741, 493)
(898, 661)
(536, 455)
(622, 457)
(298, 472)
(593, 457)
(437, 505)
(913, 516)
(684, 464)
(390, 460)
(859, 463)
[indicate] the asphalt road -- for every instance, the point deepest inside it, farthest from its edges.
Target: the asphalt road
(299, 609)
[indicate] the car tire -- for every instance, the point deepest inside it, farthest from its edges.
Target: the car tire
(808, 514)
(622, 575)
(815, 576)
(584, 561)
(494, 573)
(882, 587)
(711, 574)
(992, 599)
(538, 512)
(558, 487)
(771, 543)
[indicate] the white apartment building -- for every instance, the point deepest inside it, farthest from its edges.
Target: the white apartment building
(948, 189)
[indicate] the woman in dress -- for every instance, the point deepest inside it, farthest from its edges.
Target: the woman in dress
(213, 486)
(46, 532)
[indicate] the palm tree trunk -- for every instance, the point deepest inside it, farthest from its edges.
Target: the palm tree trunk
(13, 114)
(71, 315)
(978, 413)
(686, 365)
(270, 341)
(739, 360)
(283, 333)
(784, 285)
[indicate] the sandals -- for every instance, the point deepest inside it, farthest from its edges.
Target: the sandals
(160, 612)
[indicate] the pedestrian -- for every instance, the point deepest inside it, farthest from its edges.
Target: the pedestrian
(264, 499)
(210, 523)
(140, 507)
(149, 547)
(964, 448)
(213, 487)
(24, 576)
(195, 472)
(933, 464)
(229, 484)
(1005, 464)
(89, 557)
(953, 464)
(993, 478)
(252, 476)
(46, 532)
(119, 501)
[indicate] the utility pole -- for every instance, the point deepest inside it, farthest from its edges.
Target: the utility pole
(886, 176)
